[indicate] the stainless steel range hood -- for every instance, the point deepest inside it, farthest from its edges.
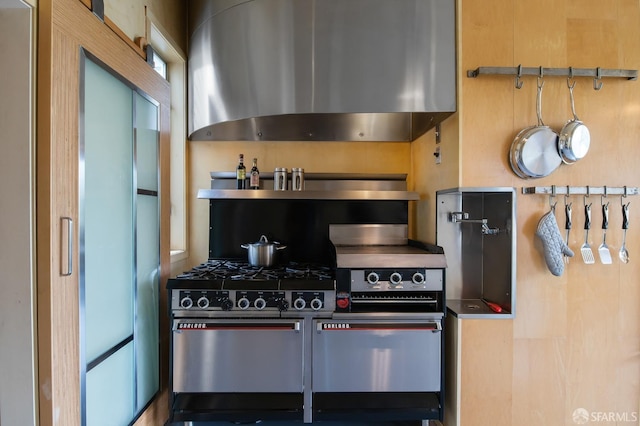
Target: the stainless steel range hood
(345, 70)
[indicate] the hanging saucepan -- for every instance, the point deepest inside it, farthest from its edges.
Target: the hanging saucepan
(534, 151)
(263, 252)
(574, 138)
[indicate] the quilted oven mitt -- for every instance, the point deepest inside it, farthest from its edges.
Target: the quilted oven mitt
(554, 246)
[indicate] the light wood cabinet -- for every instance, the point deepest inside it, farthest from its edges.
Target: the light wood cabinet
(66, 27)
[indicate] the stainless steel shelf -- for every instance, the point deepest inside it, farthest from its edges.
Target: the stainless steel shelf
(557, 72)
(265, 194)
(596, 73)
(322, 176)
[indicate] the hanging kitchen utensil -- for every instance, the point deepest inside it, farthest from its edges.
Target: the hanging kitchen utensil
(574, 138)
(623, 254)
(567, 225)
(554, 247)
(534, 151)
(585, 249)
(603, 249)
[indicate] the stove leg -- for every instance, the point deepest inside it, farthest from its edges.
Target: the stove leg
(307, 396)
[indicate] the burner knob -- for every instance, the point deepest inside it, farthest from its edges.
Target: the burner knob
(283, 305)
(226, 304)
(299, 303)
(395, 278)
(418, 278)
(373, 278)
(243, 303)
(316, 304)
(203, 303)
(186, 302)
(260, 303)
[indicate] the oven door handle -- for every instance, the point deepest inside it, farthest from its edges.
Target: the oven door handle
(195, 325)
(433, 326)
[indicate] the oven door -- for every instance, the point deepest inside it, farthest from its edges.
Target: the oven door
(377, 356)
(377, 370)
(225, 355)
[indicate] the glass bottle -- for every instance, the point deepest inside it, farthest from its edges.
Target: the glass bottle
(254, 178)
(241, 174)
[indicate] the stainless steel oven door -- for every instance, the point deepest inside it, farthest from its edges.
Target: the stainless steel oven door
(377, 356)
(224, 355)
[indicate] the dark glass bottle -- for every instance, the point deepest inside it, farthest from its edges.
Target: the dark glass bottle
(254, 177)
(241, 174)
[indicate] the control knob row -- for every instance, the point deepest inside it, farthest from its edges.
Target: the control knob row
(260, 303)
(299, 304)
(395, 278)
(203, 303)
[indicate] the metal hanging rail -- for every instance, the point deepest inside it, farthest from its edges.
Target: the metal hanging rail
(580, 190)
(596, 73)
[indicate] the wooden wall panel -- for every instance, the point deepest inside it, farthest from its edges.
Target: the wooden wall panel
(130, 17)
(485, 383)
(427, 177)
(575, 337)
(539, 364)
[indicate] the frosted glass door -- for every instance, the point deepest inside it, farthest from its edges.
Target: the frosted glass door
(147, 247)
(107, 262)
(102, 385)
(108, 212)
(119, 249)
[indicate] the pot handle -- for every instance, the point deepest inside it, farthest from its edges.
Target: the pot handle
(245, 246)
(281, 247)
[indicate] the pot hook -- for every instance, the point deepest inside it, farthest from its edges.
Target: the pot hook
(571, 85)
(597, 82)
(539, 99)
(519, 82)
(552, 199)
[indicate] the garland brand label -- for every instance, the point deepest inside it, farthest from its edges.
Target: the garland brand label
(191, 326)
(335, 326)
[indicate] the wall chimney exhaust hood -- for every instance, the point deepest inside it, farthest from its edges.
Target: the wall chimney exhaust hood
(320, 70)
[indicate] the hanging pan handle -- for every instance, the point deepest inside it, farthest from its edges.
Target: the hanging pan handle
(605, 216)
(567, 212)
(587, 216)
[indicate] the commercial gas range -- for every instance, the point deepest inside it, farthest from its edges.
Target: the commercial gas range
(358, 339)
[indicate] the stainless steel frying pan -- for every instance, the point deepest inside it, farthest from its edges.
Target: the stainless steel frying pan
(574, 138)
(534, 151)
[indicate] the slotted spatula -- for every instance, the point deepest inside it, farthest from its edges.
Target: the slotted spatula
(585, 249)
(603, 249)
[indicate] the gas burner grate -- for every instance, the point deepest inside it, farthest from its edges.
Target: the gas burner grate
(308, 271)
(223, 269)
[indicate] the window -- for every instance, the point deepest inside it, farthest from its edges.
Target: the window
(159, 64)
(174, 60)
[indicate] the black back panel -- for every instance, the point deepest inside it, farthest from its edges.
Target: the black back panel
(302, 225)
